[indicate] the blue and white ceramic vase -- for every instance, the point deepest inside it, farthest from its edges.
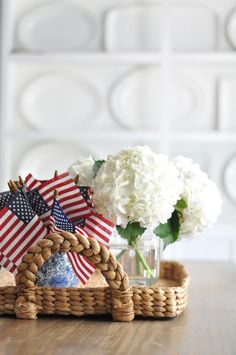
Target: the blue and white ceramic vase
(56, 272)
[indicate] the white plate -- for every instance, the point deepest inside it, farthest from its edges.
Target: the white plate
(139, 28)
(42, 160)
(136, 100)
(227, 107)
(59, 100)
(55, 27)
(230, 178)
(230, 28)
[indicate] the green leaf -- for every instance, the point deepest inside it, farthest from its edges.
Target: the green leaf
(97, 166)
(131, 232)
(169, 231)
(181, 204)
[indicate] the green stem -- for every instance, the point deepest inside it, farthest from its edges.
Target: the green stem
(137, 262)
(143, 261)
(119, 255)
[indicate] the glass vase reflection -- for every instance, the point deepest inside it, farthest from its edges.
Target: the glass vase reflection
(141, 261)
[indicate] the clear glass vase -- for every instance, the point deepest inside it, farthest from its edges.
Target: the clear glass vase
(141, 261)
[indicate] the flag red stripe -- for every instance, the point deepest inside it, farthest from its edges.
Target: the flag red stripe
(6, 264)
(7, 220)
(31, 184)
(13, 269)
(106, 221)
(75, 209)
(8, 242)
(18, 243)
(82, 258)
(83, 267)
(37, 236)
(96, 223)
(80, 231)
(54, 187)
(93, 233)
(78, 270)
(12, 226)
(45, 185)
(70, 204)
(71, 187)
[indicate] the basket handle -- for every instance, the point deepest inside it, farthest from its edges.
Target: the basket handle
(99, 255)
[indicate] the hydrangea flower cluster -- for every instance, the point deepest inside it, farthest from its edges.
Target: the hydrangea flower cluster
(83, 167)
(137, 185)
(201, 195)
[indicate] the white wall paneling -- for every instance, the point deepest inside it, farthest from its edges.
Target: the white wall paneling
(99, 86)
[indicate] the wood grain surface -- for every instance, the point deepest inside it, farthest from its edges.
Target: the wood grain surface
(207, 327)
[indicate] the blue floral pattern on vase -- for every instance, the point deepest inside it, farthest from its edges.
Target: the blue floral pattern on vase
(56, 272)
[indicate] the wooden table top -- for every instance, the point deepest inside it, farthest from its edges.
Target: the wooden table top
(207, 327)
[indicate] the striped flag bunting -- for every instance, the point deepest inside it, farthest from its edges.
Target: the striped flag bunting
(20, 227)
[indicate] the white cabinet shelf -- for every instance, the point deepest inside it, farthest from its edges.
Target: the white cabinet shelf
(207, 58)
(124, 135)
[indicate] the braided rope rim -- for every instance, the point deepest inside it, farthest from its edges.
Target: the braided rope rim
(98, 254)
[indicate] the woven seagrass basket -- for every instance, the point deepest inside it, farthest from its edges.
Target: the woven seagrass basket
(119, 299)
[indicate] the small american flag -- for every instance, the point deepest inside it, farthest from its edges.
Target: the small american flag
(7, 264)
(39, 206)
(86, 192)
(99, 228)
(82, 267)
(5, 198)
(31, 183)
(20, 227)
(70, 198)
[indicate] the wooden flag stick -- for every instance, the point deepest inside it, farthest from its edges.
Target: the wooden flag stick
(55, 173)
(21, 181)
(18, 184)
(76, 179)
(12, 186)
(55, 194)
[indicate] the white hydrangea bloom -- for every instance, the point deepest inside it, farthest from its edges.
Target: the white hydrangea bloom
(137, 185)
(201, 195)
(84, 168)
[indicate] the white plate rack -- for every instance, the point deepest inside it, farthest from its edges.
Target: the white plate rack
(97, 81)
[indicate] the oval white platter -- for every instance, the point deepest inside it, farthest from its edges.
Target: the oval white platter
(230, 178)
(140, 28)
(230, 28)
(227, 98)
(136, 100)
(59, 100)
(55, 27)
(43, 159)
